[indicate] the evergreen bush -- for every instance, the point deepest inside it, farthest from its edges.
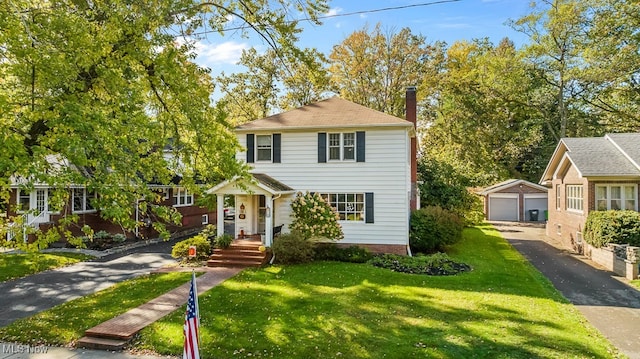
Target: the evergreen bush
(331, 252)
(434, 228)
(619, 227)
(292, 248)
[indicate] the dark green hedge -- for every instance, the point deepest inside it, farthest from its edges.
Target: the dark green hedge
(434, 228)
(619, 227)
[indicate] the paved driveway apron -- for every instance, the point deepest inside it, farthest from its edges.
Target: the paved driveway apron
(27, 296)
(610, 305)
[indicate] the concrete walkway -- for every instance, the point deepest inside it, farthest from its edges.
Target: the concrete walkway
(116, 332)
(610, 305)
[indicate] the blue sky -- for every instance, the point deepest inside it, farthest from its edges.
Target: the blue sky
(452, 21)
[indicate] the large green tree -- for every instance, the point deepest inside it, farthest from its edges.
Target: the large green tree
(373, 68)
(477, 113)
(272, 81)
(101, 94)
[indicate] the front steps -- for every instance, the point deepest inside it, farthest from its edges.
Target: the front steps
(241, 253)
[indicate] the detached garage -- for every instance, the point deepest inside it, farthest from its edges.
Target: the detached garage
(516, 201)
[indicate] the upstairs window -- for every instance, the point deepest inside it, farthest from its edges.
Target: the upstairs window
(81, 200)
(575, 199)
(617, 197)
(263, 147)
(342, 146)
(182, 197)
(347, 146)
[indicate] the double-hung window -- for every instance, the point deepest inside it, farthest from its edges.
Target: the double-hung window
(575, 199)
(349, 206)
(81, 200)
(616, 196)
(182, 197)
(263, 147)
(342, 146)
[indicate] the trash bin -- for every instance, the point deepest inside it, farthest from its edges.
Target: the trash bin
(533, 215)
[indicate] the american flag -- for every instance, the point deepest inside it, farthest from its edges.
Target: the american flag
(191, 323)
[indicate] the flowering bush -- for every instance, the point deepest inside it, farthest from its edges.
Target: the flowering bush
(314, 218)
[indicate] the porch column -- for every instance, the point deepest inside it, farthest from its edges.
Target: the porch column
(268, 223)
(220, 214)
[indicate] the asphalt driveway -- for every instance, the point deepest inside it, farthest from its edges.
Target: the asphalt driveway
(27, 296)
(610, 305)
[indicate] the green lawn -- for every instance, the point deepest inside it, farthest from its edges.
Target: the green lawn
(65, 323)
(504, 308)
(20, 265)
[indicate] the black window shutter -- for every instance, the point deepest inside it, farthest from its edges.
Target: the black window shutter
(360, 146)
(368, 207)
(277, 140)
(250, 148)
(322, 147)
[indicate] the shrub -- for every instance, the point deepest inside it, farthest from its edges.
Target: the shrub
(292, 248)
(209, 231)
(435, 264)
(433, 228)
(181, 249)
(102, 235)
(314, 218)
(331, 252)
(119, 238)
(223, 241)
(620, 227)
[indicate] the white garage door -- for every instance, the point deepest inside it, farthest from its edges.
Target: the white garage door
(535, 202)
(503, 208)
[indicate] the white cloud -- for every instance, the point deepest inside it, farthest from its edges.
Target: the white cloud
(334, 11)
(227, 52)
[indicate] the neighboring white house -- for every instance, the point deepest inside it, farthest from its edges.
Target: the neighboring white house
(357, 158)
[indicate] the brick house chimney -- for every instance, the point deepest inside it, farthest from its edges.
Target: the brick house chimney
(411, 108)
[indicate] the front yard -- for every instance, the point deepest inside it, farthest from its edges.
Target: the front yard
(19, 265)
(504, 308)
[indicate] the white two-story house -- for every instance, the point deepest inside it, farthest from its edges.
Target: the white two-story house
(358, 159)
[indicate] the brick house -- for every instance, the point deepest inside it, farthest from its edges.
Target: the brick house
(589, 174)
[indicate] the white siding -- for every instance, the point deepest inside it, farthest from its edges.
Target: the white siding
(385, 173)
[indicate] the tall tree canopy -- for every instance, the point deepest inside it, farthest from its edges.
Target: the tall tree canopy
(374, 68)
(273, 80)
(94, 93)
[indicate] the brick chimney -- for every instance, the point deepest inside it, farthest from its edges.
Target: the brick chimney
(411, 108)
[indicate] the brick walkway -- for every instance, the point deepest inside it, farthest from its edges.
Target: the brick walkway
(115, 333)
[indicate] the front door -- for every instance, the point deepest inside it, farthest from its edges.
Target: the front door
(262, 212)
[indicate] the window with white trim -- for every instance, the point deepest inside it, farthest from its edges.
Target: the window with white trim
(24, 200)
(558, 198)
(349, 206)
(81, 200)
(182, 197)
(263, 147)
(342, 146)
(575, 199)
(617, 197)
(205, 219)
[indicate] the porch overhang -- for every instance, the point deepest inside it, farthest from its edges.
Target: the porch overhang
(259, 183)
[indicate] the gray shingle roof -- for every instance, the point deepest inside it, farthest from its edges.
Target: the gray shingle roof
(602, 156)
(272, 183)
(333, 112)
(629, 143)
